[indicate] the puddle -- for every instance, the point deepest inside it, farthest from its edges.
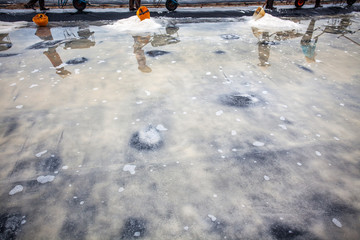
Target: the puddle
(180, 130)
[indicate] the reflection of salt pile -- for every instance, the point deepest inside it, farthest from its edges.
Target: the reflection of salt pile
(6, 27)
(269, 22)
(134, 25)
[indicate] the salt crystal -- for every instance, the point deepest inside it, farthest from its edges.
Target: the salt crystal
(45, 179)
(233, 132)
(137, 234)
(266, 178)
(282, 126)
(121, 189)
(41, 153)
(258, 144)
(160, 127)
(130, 168)
(213, 218)
(337, 222)
(16, 189)
(218, 113)
(318, 153)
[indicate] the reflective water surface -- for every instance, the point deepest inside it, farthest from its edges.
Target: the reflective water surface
(192, 130)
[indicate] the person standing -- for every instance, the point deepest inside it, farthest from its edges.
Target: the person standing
(317, 4)
(131, 4)
(31, 4)
(270, 4)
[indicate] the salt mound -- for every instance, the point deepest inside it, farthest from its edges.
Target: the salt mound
(269, 22)
(134, 25)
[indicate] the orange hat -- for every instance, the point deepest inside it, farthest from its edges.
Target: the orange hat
(143, 13)
(41, 19)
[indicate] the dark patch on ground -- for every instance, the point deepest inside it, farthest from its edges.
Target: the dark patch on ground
(20, 166)
(133, 228)
(31, 186)
(45, 44)
(331, 206)
(50, 164)
(10, 225)
(283, 231)
(72, 230)
(3, 55)
(156, 53)
(149, 139)
(239, 100)
(12, 126)
(219, 52)
(337, 209)
(218, 227)
(77, 61)
(229, 36)
(259, 156)
(304, 68)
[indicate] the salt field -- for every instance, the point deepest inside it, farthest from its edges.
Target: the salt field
(181, 129)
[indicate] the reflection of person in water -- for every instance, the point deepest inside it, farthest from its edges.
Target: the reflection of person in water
(44, 33)
(263, 46)
(5, 45)
(139, 43)
(308, 45)
(265, 43)
(264, 50)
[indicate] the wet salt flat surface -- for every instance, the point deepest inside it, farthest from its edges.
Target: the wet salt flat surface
(176, 129)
